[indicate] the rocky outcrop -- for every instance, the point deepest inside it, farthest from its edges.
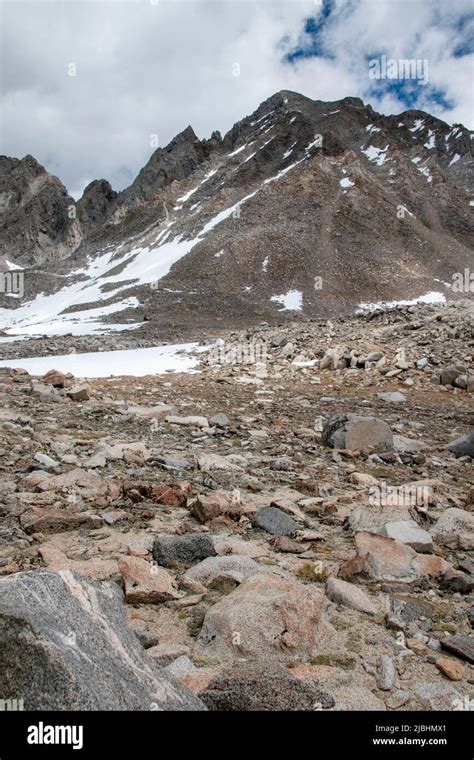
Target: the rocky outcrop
(38, 222)
(266, 617)
(352, 431)
(84, 658)
(95, 205)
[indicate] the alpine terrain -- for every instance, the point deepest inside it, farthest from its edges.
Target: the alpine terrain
(236, 424)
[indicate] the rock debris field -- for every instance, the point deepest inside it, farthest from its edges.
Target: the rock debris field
(289, 534)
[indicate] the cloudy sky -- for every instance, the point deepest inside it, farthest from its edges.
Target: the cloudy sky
(85, 86)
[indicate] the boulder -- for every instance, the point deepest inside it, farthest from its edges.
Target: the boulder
(349, 595)
(66, 646)
(393, 397)
(46, 462)
(79, 392)
(450, 374)
(465, 382)
(266, 617)
(210, 462)
(334, 358)
(39, 520)
(352, 431)
(166, 653)
(220, 419)
(463, 447)
(384, 559)
(258, 687)
(409, 532)
(146, 583)
(373, 518)
(450, 668)
(151, 412)
(460, 645)
(406, 445)
(274, 521)
(192, 547)
(436, 696)
(44, 392)
(190, 421)
(207, 507)
(385, 675)
(215, 572)
(54, 377)
(455, 529)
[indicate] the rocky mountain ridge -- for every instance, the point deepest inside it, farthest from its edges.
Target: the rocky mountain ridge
(304, 206)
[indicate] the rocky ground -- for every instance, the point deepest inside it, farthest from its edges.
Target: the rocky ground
(288, 534)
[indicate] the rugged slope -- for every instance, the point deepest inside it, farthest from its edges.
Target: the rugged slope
(303, 206)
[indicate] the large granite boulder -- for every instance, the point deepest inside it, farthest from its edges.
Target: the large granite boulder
(65, 645)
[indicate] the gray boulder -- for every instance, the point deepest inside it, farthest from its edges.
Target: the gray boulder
(259, 687)
(274, 521)
(266, 617)
(352, 431)
(449, 375)
(455, 528)
(394, 397)
(463, 447)
(437, 696)
(409, 532)
(66, 646)
(186, 549)
(349, 595)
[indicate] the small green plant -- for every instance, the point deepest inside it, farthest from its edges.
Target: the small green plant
(345, 662)
(312, 572)
(353, 642)
(441, 627)
(339, 625)
(195, 622)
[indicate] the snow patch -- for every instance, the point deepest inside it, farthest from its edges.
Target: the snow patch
(136, 362)
(417, 125)
(12, 267)
(291, 301)
(431, 142)
(431, 297)
(378, 155)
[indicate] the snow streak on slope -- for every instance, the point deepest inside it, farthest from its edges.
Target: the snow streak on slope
(139, 266)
